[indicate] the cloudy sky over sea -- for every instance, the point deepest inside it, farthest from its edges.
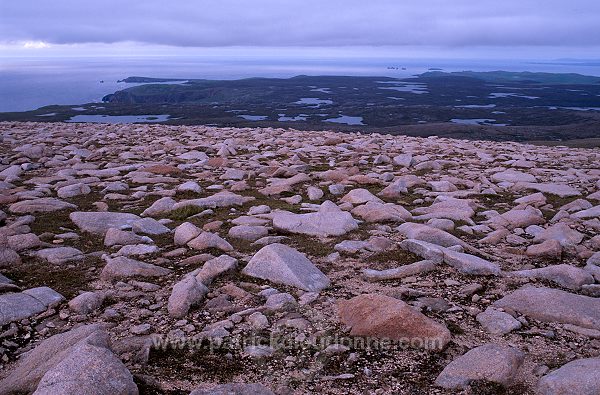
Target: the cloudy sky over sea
(489, 28)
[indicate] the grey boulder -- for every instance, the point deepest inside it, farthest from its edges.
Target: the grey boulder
(284, 265)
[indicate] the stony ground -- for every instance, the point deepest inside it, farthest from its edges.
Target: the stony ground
(156, 259)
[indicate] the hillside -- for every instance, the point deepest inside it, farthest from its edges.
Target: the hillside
(275, 261)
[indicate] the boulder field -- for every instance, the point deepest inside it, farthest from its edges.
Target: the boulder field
(148, 259)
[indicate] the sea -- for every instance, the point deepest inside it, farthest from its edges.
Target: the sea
(28, 83)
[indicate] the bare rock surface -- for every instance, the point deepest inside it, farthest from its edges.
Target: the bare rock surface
(491, 362)
(101, 222)
(565, 307)
(581, 376)
(265, 260)
(186, 293)
(329, 220)
(388, 318)
(17, 306)
(124, 268)
(78, 361)
(284, 265)
(60, 255)
(42, 205)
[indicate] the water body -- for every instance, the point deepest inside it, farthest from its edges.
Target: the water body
(284, 118)
(313, 101)
(347, 120)
(119, 118)
(497, 95)
(28, 83)
(322, 90)
(477, 106)
(476, 121)
(253, 117)
(416, 88)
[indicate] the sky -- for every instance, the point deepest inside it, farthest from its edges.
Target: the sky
(504, 28)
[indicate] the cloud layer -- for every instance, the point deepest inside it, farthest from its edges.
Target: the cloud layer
(281, 23)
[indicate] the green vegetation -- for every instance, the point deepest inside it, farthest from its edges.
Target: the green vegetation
(520, 77)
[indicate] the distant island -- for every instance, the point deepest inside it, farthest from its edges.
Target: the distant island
(498, 105)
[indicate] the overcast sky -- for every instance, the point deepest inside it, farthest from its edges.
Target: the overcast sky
(546, 25)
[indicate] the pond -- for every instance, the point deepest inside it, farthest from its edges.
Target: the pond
(118, 118)
(497, 95)
(284, 118)
(345, 119)
(477, 121)
(315, 101)
(416, 88)
(254, 117)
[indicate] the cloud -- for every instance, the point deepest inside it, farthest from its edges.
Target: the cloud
(318, 23)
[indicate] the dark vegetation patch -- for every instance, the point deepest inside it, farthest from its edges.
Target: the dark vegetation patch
(391, 259)
(66, 279)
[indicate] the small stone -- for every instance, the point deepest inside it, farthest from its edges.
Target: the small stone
(142, 329)
(497, 322)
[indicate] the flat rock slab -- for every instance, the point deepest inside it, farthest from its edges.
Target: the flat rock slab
(453, 209)
(221, 199)
(100, 222)
(32, 366)
(581, 376)
(330, 220)
(464, 263)
(60, 255)
(383, 317)
(208, 240)
(470, 264)
(593, 212)
(185, 232)
(560, 190)
(42, 205)
(216, 267)
(8, 257)
(412, 230)
(560, 232)
(284, 265)
(553, 305)
(185, 294)
(88, 369)
(566, 276)
(123, 268)
(497, 322)
(491, 362)
(360, 196)
(513, 176)
(382, 212)
(149, 226)
(21, 305)
(412, 269)
(75, 362)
